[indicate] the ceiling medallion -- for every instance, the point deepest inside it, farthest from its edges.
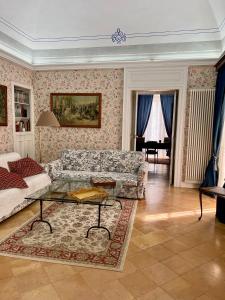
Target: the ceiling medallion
(118, 37)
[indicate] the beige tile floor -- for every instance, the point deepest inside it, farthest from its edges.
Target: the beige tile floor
(171, 256)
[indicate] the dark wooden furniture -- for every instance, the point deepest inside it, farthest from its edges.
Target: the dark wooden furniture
(151, 149)
(140, 142)
(106, 182)
(103, 181)
(219, 194)
(165, 146)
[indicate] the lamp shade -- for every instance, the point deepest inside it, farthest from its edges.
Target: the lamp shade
(47, 118)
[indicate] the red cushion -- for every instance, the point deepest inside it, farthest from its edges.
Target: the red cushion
(25, 167)
(11, 180)
(3, 171)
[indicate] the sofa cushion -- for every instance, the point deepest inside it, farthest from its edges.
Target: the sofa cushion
(9, 200)
(3, 171)
(81, 160)
(37, 182)
(121, 161)
(25, 167)
(12, 200)
(84, 175)
(11, 180)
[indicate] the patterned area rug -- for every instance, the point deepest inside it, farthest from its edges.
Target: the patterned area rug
(67, 244)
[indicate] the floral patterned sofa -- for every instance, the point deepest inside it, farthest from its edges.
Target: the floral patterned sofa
(128, 168)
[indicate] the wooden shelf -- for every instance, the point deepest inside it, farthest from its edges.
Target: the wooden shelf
(22, 110)
(23, 132)
(22, 103)
(26, 118)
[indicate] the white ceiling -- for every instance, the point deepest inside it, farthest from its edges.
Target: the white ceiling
(56, 31)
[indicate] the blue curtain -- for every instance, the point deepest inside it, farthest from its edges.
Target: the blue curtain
(211, 173)
(143, 113)
(167, 102)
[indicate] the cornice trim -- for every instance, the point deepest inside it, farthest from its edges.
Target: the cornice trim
(69, 65)
(131, 65)
(77, 57)
(107, 36)
(15, 60)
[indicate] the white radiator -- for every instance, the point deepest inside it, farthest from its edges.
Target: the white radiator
(200, 125)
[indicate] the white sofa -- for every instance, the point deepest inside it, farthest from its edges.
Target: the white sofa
(12, 200)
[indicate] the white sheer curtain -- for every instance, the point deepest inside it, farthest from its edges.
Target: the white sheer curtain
(156, 130)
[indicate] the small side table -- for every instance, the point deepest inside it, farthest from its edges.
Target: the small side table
(219, 194)
(106, 182)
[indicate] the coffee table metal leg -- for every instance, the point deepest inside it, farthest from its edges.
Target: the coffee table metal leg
(200, 201)
(116, 200)
(41, 218)
(99, 223)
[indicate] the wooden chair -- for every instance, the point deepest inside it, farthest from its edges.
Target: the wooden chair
(140, 142)
(151, 149)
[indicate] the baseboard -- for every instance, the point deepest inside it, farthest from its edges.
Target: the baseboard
(190, 185)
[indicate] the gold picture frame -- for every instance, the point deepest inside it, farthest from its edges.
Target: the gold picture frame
(77, 109)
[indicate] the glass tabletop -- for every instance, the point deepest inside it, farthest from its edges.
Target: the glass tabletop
(58, 191)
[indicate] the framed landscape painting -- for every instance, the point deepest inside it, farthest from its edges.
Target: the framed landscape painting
(77, 110)
(3, 105)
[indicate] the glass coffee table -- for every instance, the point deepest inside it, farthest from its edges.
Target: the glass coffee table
(60, 191)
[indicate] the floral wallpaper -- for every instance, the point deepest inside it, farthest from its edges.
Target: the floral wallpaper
(10, 72)
(199, 77)
(109, 82)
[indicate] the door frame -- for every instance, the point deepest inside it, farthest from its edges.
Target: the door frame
(157, 78)
(135, 95)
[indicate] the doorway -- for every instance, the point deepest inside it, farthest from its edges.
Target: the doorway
(156, 77)
(154, 125)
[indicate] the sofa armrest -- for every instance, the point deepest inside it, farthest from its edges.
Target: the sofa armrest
(45, 167)
(142, 175)
(53, 167)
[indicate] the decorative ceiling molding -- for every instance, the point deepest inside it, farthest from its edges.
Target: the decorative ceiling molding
(119, 37)
(106, 65)
(118, 34)
(124, 58)
(15, 49)
(110, 55)
(15, 60)
(40, 39)
(123, 65)
(218, 9)
(222, 25)
(223, 45)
